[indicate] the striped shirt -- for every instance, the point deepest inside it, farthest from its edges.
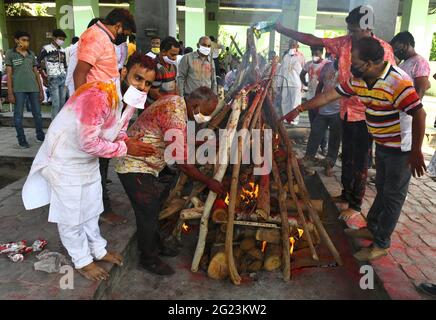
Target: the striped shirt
(389, 103)
(165, 80)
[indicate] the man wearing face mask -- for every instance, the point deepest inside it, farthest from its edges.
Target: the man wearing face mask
(141, 176)
(288, 81)
(165, 82)
(65, 172)
(355, 137)
(197, 69)
(416, 66)
(396, 120)
(97, 61)
(24, 82)
(53, 69)
(155, 47)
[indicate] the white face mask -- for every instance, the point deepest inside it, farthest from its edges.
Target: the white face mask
(169, 61)
(135, 98)
(292, 51)
(204, 50)
(59, 42)
(316, 59)
(201, 118)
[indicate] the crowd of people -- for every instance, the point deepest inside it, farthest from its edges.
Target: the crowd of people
(356, 95)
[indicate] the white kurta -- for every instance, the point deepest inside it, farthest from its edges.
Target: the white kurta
(65, 172)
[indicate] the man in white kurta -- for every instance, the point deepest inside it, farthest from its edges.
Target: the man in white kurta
(65, 172)
(289, 79)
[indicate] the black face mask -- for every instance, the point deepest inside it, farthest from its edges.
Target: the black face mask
(356, 72)
(400, 54)
(121, 38)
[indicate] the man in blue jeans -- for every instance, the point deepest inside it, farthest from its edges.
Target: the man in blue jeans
(24, 81)
(53, 69)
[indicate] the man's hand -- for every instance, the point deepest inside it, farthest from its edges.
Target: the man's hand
(41, 96)
(417, 164)
(137, 148)
(11, 98)
(291, 115)
(216, 186)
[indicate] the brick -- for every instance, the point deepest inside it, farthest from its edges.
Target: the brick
(416, 217)
(429, 239)
(428, 270)
(411, 240)
(400, 255)
(428, 253)
(388, 270)
(413, 272)
(417, 256)
(401, 291)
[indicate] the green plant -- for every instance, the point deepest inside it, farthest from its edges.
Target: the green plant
(433, 48)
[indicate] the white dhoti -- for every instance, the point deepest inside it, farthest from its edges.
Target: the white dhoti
(291, 98)
(83, 242)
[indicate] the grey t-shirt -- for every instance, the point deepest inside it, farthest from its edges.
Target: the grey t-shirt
(329, 76)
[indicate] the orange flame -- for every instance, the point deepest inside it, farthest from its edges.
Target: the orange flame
(263, 246)
(185, 227)
(227, 200)
(292, 240)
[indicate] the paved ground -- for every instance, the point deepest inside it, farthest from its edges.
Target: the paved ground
(412, 257)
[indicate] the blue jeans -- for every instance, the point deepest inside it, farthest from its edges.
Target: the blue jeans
(56, 85)
(33, 98)
(392, 183)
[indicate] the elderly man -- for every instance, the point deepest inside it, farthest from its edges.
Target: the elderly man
(65, 172)
(396, 120)
(141, 176)
(197, 69)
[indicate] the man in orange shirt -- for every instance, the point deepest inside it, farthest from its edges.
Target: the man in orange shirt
(355, 136)
(97, 61)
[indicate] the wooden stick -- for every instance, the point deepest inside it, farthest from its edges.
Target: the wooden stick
(236, 46)
(302, 186)
(284, 224)
(222, 167)
(252, 224)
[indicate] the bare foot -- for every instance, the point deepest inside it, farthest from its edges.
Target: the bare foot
(93, 272)
(113, 257)
(347, 214)
(112, 218)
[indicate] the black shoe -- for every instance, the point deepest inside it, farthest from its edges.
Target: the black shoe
(158, 267)
(428, 288)
(108, 181)
(168, 252)
(23, 144)
(40, 138)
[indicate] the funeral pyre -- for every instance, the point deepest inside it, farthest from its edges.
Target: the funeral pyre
(267, 214)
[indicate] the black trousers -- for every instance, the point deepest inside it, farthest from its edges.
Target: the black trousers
(147, 194)
(392, 183)
(355, 145)
(104, 166)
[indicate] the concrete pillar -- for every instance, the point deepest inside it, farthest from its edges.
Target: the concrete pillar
(212, 18)
(73, 16)
(289, 19)
(194, 22)
(307, 21)
(415, 20)
(385, 13)
(272, 41)
(172, 18)
(132, 7)
(3, 30)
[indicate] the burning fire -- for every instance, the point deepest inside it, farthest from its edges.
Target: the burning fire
(227, 201)
(247, 195)
(292, 240)
(185, 228)
(263, 246)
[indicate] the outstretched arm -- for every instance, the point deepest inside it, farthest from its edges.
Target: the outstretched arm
(305, 38)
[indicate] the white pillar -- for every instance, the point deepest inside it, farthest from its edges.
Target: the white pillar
(172, 18)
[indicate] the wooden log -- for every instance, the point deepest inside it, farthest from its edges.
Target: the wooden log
(263, 207)
(218, 268)
(191, 213)
(268, 235)
(255, 266)
(247, 244)
(284, 226)
(222, 168)
(273, 257)
(176, 192)
(173, 207)
(256, 253)
(219, 215)
(317, 204)
(300, 181)
(254, 224)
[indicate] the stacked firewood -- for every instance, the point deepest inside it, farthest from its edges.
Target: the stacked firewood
(263, 218)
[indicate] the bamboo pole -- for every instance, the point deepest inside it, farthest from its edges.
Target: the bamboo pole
(222, 167)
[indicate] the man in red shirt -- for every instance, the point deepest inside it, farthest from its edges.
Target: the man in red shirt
(355, 136)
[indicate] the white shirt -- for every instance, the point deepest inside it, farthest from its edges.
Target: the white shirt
(72, 63)
(121, 51)
(290, 69)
